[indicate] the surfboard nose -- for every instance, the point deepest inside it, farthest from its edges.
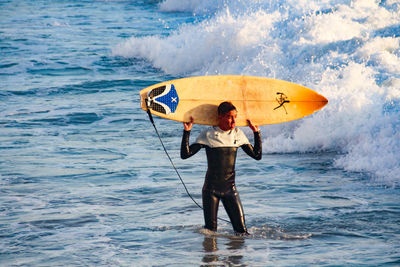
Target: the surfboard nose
(324, 101)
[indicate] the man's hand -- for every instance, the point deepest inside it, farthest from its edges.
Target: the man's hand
(254, 128)
(188, 125)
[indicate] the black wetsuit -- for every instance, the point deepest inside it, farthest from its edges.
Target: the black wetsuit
(220, 180)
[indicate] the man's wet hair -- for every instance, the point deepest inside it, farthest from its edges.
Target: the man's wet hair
(225, 107)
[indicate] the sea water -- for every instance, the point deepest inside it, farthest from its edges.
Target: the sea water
(84, 180)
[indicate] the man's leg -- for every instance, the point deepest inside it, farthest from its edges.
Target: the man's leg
(210, 210)
(234, 208)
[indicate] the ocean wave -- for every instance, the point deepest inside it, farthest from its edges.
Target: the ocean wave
(347, 51)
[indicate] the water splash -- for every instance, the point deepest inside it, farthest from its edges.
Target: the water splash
(348, 51)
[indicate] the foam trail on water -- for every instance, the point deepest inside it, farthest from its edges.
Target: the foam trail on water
(206, 6)
(347, 51)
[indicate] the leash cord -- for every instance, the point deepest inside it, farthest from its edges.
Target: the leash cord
(173, 165)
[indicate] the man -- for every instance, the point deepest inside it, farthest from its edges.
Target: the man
(221, 143)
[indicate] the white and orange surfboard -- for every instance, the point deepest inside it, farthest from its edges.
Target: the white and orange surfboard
(261, 100)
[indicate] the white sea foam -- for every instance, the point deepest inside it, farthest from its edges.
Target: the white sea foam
(348, 52)
(357, 20)
(207, 47)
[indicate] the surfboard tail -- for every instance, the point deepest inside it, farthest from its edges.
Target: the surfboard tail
(143, 103)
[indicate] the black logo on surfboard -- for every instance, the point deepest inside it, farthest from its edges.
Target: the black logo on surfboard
(282, 99)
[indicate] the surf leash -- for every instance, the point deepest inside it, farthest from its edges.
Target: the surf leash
(172, 163)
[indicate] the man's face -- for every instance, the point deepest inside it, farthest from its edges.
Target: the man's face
(227, 121)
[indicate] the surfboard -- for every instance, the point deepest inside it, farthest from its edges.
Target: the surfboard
(261, 100)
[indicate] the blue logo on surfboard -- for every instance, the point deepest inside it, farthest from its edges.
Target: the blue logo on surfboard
(164, 99)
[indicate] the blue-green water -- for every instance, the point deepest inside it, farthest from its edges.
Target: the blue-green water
(85, 182)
